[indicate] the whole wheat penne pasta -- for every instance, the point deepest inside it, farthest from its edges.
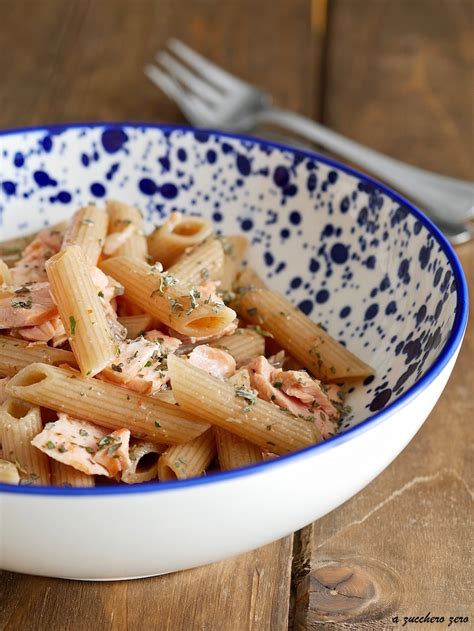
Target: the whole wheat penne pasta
(9, 473)
(168, 241)
(64, 475)
(249, 279)
(321, 354)
(16, 354)
(136, 324)
(243, 345)
(81, 310)
(121, 217)
(200, 264)
(234, 452)
(143, 462)
(234, 250)
(5, 274)
(88, 229)
(189, 460)
(19, 424)
(105, 404)
(160, 295)
(237, 410)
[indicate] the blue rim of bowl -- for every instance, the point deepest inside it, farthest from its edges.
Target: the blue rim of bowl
(449, 349)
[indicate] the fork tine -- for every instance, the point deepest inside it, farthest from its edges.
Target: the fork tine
(190, 80)
(193, 108)
(206, 68)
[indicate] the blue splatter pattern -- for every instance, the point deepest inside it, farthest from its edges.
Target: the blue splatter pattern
(350, 256)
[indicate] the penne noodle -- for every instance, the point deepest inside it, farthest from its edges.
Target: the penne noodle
(237, 410)
(81, 311)
(143, 462)
(9, 473)
(244, 345)
(64, 475)
(234, 250)
(199, 265)
(88, 229)
(168, 241)
(121, 216)
(189, 460)
(136, 324)
(5, 274)
(249, 279)
(160, 295)
(234, 452)
(106, 404)
(321, 354)
(19, 424)
(16, 354)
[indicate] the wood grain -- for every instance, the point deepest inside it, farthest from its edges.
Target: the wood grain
(249, 592)
(79, 60)
(399, 79)
(405, 539)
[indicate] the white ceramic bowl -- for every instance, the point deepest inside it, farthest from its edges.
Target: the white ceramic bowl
(351, 253)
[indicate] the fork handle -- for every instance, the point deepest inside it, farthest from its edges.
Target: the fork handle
(447, 199)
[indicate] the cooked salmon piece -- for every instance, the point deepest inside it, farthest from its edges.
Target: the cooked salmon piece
(141, 363)
(85, 446)
(31, 266)
(113, 453)
(297, 392)
(44, 332)
(72, 442)
(215, 361)
(29, 305)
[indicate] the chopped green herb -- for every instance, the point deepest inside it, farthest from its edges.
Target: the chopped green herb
(157, 424)
(83, 432)
(247, 395)
(50, 445)
(100, 294)
(258, 329)
(278, 384)
(252, 311)
(117, 367)
(176, 306)
(72, 324)
(22, 304)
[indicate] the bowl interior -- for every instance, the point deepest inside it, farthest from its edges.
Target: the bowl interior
(348, 253)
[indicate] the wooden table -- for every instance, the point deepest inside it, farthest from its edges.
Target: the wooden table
(394, 74)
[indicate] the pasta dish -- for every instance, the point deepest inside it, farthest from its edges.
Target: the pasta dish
(127, 358)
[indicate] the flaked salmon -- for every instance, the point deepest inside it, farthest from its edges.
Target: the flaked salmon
(113, 453)
(297, 392)
(215, 361)
(141, 364)
(31, 266)
(29, 305)
(84, 446)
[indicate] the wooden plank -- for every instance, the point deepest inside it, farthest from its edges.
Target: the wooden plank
(400, 547)
(249, 592)
(81, 60)
(399, 79)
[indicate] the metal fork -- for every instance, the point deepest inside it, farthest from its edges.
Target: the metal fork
(212, 97)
